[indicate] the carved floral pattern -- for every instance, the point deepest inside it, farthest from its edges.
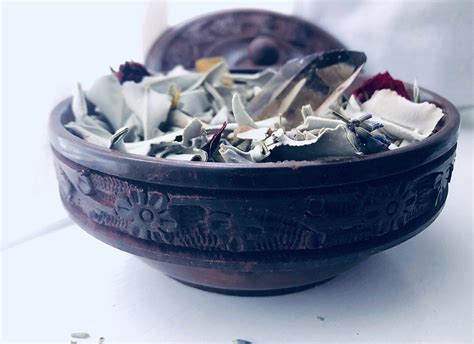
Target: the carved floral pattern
(145, 212)
(291, 220)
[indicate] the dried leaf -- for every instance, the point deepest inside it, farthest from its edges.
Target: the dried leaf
(241, 116)
(256, 79)
(195, 101)
(221, 116)
(190, 155)
(313, 122)
(79, 104)
(151, 107)
(329, 143)
(116, 139)
(213, 76)
(253, 134)
(192, 130)
(106, 94)
(161, 83)
(318, 79)
(230, 153)
(101, 138)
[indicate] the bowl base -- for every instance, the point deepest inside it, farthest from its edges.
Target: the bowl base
(267, 292)
(263, 282)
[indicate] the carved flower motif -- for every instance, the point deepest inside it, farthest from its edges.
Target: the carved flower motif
(146, 211)
(390, 207)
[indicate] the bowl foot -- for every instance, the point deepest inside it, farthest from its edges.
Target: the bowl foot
(268, 292)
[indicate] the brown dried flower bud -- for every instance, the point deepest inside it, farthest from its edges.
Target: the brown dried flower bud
(131, 71)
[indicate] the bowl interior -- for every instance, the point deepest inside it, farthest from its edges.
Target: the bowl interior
(273, 175)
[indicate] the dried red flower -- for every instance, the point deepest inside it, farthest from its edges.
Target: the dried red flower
(131, 71)
(211, 146)
(379, 82)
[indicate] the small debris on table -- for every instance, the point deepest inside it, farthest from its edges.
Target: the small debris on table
(80, 335)
(240, 341)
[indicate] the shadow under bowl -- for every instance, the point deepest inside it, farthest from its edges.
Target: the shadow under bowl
(254, 229)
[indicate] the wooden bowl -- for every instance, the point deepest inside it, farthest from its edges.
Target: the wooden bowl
(254, 229)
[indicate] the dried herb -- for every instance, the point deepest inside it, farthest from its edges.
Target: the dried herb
(297, 113)
(213, 143)
(131, 71)
(380, 81)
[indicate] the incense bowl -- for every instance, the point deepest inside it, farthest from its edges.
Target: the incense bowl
(254, 229)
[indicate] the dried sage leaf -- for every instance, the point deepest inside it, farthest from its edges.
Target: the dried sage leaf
(313, 122)
(79, 104)
(317, 79)
(195, 101)
(256, 79)
(241, 116)
(296, 113)
(193, 129)
(329, 143)
(106, 94)
(212, 76)
(230, 153)
(161, 84)
(116, 139)
(151, 107)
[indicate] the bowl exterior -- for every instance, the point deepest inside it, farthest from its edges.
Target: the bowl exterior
(253, 242)
(254, 229)
(254, 221)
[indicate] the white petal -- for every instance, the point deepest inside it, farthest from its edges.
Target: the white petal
(401, 117)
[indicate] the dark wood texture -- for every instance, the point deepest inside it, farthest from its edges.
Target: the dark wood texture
(258, 228)
(247, 39)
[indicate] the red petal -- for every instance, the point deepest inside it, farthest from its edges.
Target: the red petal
(379, 82)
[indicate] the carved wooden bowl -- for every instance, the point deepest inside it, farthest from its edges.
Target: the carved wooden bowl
(254, 229)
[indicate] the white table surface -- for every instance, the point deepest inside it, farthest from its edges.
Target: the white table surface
(56, 279)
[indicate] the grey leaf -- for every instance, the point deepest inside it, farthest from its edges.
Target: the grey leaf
(241, 116)
(151, 107)
(106, 94)
(79, 104)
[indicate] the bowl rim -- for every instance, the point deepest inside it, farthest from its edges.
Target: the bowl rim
(217, 175)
